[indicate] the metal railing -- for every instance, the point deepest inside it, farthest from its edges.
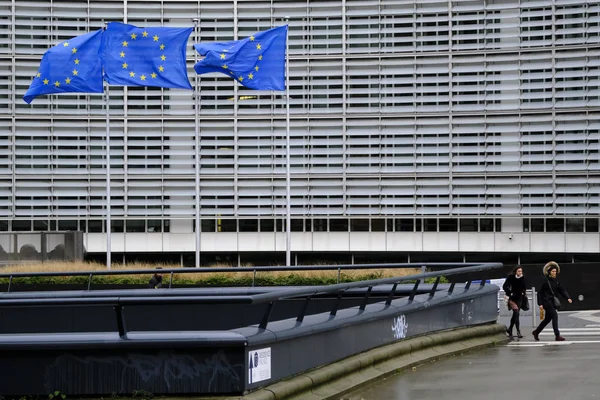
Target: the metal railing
(270, 298)
(90, 274)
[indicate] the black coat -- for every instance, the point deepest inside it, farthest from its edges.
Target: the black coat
(155, 282)
(515, 288)
(544, 295)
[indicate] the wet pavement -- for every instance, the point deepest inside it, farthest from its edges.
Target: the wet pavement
(522, 369)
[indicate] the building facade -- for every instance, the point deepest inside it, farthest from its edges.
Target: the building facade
(458, 129)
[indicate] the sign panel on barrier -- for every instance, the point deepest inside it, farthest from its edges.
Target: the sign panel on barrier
(259, 365)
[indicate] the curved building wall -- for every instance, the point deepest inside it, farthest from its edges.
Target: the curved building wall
(408, 119)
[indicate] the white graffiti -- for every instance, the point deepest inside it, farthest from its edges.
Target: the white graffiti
(400, 327)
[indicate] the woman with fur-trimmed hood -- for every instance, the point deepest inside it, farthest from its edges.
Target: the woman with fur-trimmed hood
(546, 299)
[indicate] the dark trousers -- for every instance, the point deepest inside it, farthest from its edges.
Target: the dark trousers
(514, 321)
(551, 316)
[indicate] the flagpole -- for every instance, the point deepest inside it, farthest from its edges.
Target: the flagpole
(288, 252)
(197, 148)
(108, 224)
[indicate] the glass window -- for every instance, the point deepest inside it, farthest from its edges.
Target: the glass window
(227, 225)
(68, 225)
(574, 224)
(115, 225)
(135, 225)
(431, 225)
(339, 225)
(95, 226)
(525, 224)
(297, 225)
(248, 225)
(155, 225)
(40, 225)
(486, 225)
(359, 225)
(21, 226)
(319, 225)
(469, 225)
(537, 225)
(591, 225)
(267, 225)
(3, 226)
(378, 225)
(405, 225)
(555, 225)
(208, 225)
(448, 225)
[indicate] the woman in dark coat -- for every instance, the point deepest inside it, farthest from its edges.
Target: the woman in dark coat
(514, 288)
(550, 288)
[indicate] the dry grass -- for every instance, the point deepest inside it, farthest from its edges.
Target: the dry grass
(94, 266)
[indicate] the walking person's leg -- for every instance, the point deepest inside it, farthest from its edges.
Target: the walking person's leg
(516, 315)
(544, 323)
(555, 327)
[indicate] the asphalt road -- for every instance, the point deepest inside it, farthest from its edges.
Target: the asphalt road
(523, 369)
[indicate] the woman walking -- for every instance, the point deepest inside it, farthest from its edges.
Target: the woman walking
(549, 302)
(514, 288)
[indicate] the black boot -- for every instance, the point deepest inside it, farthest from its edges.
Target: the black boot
(509, 332)
(519, 334)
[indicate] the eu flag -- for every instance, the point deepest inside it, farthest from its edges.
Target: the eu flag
(71, 66)
(134, 56)
(257, 62)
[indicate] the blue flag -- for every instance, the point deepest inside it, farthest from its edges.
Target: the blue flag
(134, 56)
(257, 62)
(71, 66)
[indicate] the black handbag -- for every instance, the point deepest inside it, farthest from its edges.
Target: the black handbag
(556, 300)
(525, 303)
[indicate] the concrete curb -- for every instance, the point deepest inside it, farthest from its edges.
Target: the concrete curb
(334, 380)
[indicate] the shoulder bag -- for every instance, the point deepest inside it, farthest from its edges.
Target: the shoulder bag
(556, 300)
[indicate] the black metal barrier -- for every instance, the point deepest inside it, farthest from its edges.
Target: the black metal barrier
(234, 361)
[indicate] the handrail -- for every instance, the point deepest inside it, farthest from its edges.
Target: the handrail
(119, 302)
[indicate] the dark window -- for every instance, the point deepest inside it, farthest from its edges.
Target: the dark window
(297, 225)
(486, 225)
(52, 225)
(378, 225)
(227, 225)
(591, 225)
(430, 225)
(267, 225)
(339, 225)
(82, 225)
(95, 226)
(390, 225)
(359, 225)
(469, 225)
(115, 225)
(69, 225)
(248, 225)
(135, 226)
(526, 225)
(155, 225)
(418, 225)
(448, 225)
(537, 225)
(21, 226)
(574, 224)
(279, 225)
(320, 225)
(40, 225)
(498, 225)
(3, 226)
(308, 225)
(555, 225)
(405, 225)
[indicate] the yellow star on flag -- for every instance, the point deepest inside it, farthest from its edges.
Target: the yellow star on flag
(163, 57)
(38, 75)
(46, 81)
(145, 34)
(125, 65)
(132, 74)
(222, 56)
(153, 75)
(162, 46)
(155, 37)
(256, 68)
(66, 44)
(161, 68)
(260, 58)
(143, 77)
(258, 47)
(250, 76)
(124, 43)
(122, 54)
(75, 72)
(225, 66)
(133, 36)
(241, 78)
(74, 50)
(57, 83)
(252, 38)
(77, 61)
(68, 80)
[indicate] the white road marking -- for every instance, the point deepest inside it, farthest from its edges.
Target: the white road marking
(586, 316)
